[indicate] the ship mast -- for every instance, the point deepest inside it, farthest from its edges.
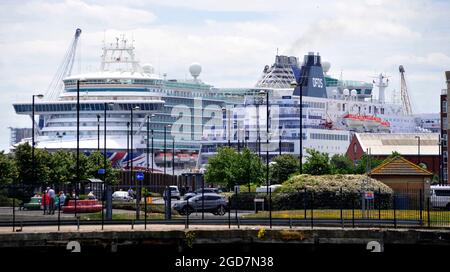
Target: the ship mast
(121, 55)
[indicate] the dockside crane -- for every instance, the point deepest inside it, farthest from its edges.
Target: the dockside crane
(65, 69)
(406, 103)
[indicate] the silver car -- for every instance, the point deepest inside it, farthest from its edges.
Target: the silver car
(214, 203)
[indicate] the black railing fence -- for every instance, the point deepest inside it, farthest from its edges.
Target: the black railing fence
(26, 206)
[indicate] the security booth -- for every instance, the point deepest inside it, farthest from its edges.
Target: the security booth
(94, 185)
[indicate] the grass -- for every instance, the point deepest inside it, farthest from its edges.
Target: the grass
(436, 217)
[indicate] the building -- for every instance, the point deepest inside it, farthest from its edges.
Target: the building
(18, 134)
(403, 176)
(419, 148)
(444, 137)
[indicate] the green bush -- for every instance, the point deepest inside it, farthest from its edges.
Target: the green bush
(325, 192)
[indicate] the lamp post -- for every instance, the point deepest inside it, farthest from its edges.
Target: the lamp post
(78, 144)
(279, 140)
(128, 148)
(98, 132)
(168, 193)
(173, 161)
(418, 149)
(299, 83)
(227, 125)
(107, 183)
(33, 143)
(138, 190)
(441, 167)
(148, 146)
(269, 190)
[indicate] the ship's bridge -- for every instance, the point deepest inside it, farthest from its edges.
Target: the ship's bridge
(117, 81)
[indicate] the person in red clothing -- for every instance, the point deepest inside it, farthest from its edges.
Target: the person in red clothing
(45, 201)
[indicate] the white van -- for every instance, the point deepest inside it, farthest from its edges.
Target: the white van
(263, 189)
(440, 196)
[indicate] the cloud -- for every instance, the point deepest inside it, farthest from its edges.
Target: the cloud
(361, 38)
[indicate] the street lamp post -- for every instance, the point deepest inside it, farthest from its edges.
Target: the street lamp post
(168, 192)
(138, 190)
(299, 83)
(107, 183)
(78, 145)
(98, 132)
(418, 149)
(128, 149)
(269, 191)
(33, 143)
(279, 140)
(227, 125)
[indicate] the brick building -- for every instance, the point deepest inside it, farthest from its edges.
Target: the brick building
(414, 147)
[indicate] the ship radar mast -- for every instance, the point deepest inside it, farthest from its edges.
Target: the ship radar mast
(119, 56)
(382, 82)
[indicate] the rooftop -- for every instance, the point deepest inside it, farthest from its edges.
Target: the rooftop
(399, 166)
(403, 143)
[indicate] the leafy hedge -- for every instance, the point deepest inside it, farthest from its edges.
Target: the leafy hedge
(329, 191)
(245, 201)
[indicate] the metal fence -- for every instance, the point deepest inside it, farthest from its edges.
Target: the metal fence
(23, 206)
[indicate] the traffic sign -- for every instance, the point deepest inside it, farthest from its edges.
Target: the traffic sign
(140, 176)
(101, 171)
(369, 195)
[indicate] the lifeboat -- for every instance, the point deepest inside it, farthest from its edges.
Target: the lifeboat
(371, 122)
(353, 120)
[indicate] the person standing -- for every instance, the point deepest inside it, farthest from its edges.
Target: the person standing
(45, 201)
(62, 198)
(51, 196)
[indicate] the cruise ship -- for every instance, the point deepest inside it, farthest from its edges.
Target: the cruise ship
(188, 120)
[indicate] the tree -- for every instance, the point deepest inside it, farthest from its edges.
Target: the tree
(230, 168)
(96, 162)
(341, 164)
(283, 167)
(370, 161)
(250, 170)
(23, 159)
(62, 167)
(8, 169)
(317, 163)
(221, 168)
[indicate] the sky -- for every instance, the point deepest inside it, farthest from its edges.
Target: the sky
(233, 40)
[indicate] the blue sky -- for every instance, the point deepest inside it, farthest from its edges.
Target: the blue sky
(233, 40)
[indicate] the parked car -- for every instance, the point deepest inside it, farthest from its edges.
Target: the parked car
(199, 191)
(121, 196)
(272, 188)
(214, 203)
(34, 204)
(440, 196)
(174, 192)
